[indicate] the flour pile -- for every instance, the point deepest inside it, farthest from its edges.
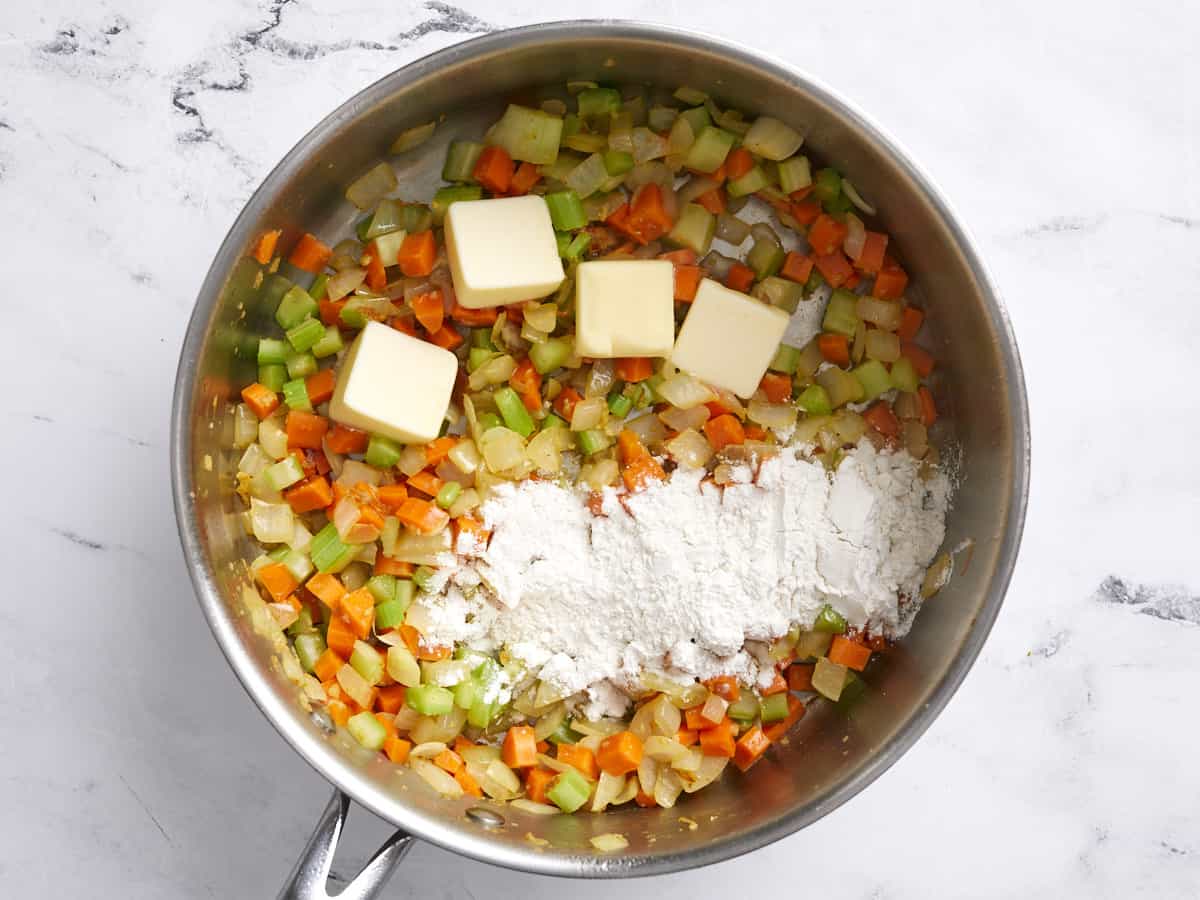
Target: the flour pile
(679, 578)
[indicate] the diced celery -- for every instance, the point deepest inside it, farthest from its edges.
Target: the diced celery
(830, 621)
(827, 186)
(516, 416)
(785, 360)
(304, 622)
(298, 564)
(301, 365)
(690, 95)
(552, 421)
(461, 157)
(385, 219)
(272, 351)
(317, 289)
(841, 315)
(294, 308)
(775, 707)
(284, 473)
(592, 441)
(309, 647)
(753, 181)
(527, 134)
(367, 730)
(569, 790)
(489, 420)
(329, 345)
(694, 228)
(563, 734)
(661, 118)
(274, 287)
(853, 688)
(585, 142)
(874, 378)
(387, 246)
(477, 356)
(382, 587)
(598, 101)
(578, 244)
(481, 713)
(566, 210)
(572, 125)
(841, 385)
(448, 195)
(382, 452)
(448, 494)
(794, 174)
(549, 355)
(305, 335)
(903, 376)
(466, 693)
(422, 576)
(562, 240)
(416, 217)
(429, 699)
(814, 400)
(618, 162)
(745, 708)
(272, 376)
(367, 662)
(811, 644)
(328, 552)
(709, 150)
(697, 118)
(815, 280)
(619, 405)
(295, 395)
(482, 337)
(390, 614)
(765, 258)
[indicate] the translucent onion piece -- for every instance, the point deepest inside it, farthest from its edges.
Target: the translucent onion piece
(777, 416)
(428, 750)
(367, 190)
(682, 419)
(856, 236)
(885, 314)
(422, 549)
(882, 345)
(915, 438)
(761, 231)
(271, 436)
(664, 749)
(667, 788)
(710, 770)
(696, 186)
(272, 523)
(856, 198)
(849, 426)
(610, 842)
(543, 317)
(413, 137)
(345, 516)
(537, 809)
(354, 471)
(600, 474)
(772, 139)
(647, 145)
(647, 774)
(412, 460)
(732, 229)
(439, 728)
(501, 448)
(588, 414)
(717, 265)
(544, 451)
(689, 762)
(255, 460)
(344, 282)
(441, 781)
(649, 429)
(666, 717)
(600, 379)
(346, 255)
(608, 788)
(937, 575)
(681, 137)
(245, 426)
(829, 678)
(494, 371)
(585, 179)
(690, 449)
(684, 391)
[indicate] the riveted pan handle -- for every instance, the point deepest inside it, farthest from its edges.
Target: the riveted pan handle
(309, 878)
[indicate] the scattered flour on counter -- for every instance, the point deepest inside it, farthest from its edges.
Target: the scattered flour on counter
(679, 578)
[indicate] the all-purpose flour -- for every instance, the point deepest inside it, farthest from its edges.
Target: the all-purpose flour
(679, 578)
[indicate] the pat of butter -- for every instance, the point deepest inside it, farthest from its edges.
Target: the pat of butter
(501, 251)
(625, 308)
(395, 385)
(728, 339)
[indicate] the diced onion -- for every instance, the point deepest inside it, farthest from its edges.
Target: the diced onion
(344, 282)
(915, 438)
(439, 728)
(684, 391)
(273, 523)
(421, 549)
(428, 750)
(856, 198)
(600, 474)
(882, 345)
(849, 426)
(607, 843)
(772, 139)
(690, 449)
(647, 773)
(600, 380)
(537, 809)
(682, 419)
(937, 575)
(585, 179)
(696, 186)
(667, 788)
(608, 788)
(777, 416)
(494, 371)
(681, 137)
(413, 137)
(245, 426)
(856, 236)
(438, 779)
(255, 460)
(828, 678)
(271, 436)
(885, 314)
(717, 265)
(501, 448)
(710, 769)
(367, 190)
(354, 471)
(544, 451)
(647, 145)
(664, 749)
(543, 317)
(588, 414)
(649, 429)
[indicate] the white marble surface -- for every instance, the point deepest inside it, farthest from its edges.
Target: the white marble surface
(1066, 133)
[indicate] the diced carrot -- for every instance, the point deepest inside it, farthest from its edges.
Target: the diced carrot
(776, 730)
(448, 761)
(738, 163)
(725, 686)
(339, 711)
(494, 169)
(644, 800)
(620, 753)
(358, 609)
(638, 467)
(473, 318)
(387, 719)
(264, 248)
(720, 175)
(420, 647)
(520, 747)
(326, 588)
(755, 432)
(723, 431)
(826, 235)
(739, 277)
(446, 337)
(581, 758)
(687, 736)
(376, 272)
(921, 358)
(848, 653)
(681, 257)
(397, 749)
(526, 380)
(777, 686)
(428, 309)
(891, 281)
(648, 219)
(834, 267)
(392, 495)
(929, 413)
(537, 780)
(694, 719)
(806, 211)
(467, 782)
(347, 440)
(687, 282)
(309, 254)
(278, 580)
(472, 527)
(870, 260)
(331, 311)
(315, 493)
(340, 637)
(718, 741)
(910, 323)
(523, 180)
(385, 565)
(404, 323)
(777, 386)
(320, 386)
(327, 665)
(417, 254)
(426, 482)
(750, 748)
(261, 399)
(797, 267)
(713, 201)
(799, 676)
(305, 429)
(422, 516)
(632, 369)
(835, 348)
(880, 417)
(852, 282)
(461, 744)
(391, 698)
(438, 449)
(564, 403)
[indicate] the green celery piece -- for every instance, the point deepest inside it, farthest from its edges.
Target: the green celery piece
(481, 713)
(552, 421)
(698, 118)
(572, 125)
(592, 441)
(285, 473)
(843, 387)
(578, 244)
(382, 452)
(874, 378)
(303, 624)
(382, 588)
(853, 690)
(694, 228)
(585, 142)
(482, 338)
(564, 734)
(317, 289)
(745, 708)
(274, 287)
(841, 315)
(549, 355)
(827, 186)
(477, 356)
(641, 393)
(562, 240)
(295, 395)
(709, 149)
(298, 564)
(569, 790)
(830, 621)
(405, 591)
(661, 118)
(367, 662)
(272, 376)
(765, 258)
(367, 730)
(386, 219)
(529, 135)
(690, 95)
(448, 494)
(814, 400)
(466, 693)
(794, 174)
(305, 335)
(327, 551)
(272, 351)
(390, 614)
(296, 306)
(352, 317)
(461, 157)
(422, 576)
(775, 707)
(329, 345)
(752, 182)
(779, 292)
(489, 420)
(618, 162)
(279, 554)
(619, 405)
(429, 699)
(566, 210)
(360, 228)
(301, 365)
(903, 376)
(786, 360)
(515, 415)
(309, 647)
(598, 101)
(815, 280)
(449, 195)
(416, 217)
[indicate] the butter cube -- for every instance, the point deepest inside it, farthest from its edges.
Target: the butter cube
(625, 308)
(728, 339)
(502, 251)
(395, 385)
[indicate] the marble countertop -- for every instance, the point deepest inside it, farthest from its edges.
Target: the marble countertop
(1066, 134)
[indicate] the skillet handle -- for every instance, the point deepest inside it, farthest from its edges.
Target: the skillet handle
(310, 877)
